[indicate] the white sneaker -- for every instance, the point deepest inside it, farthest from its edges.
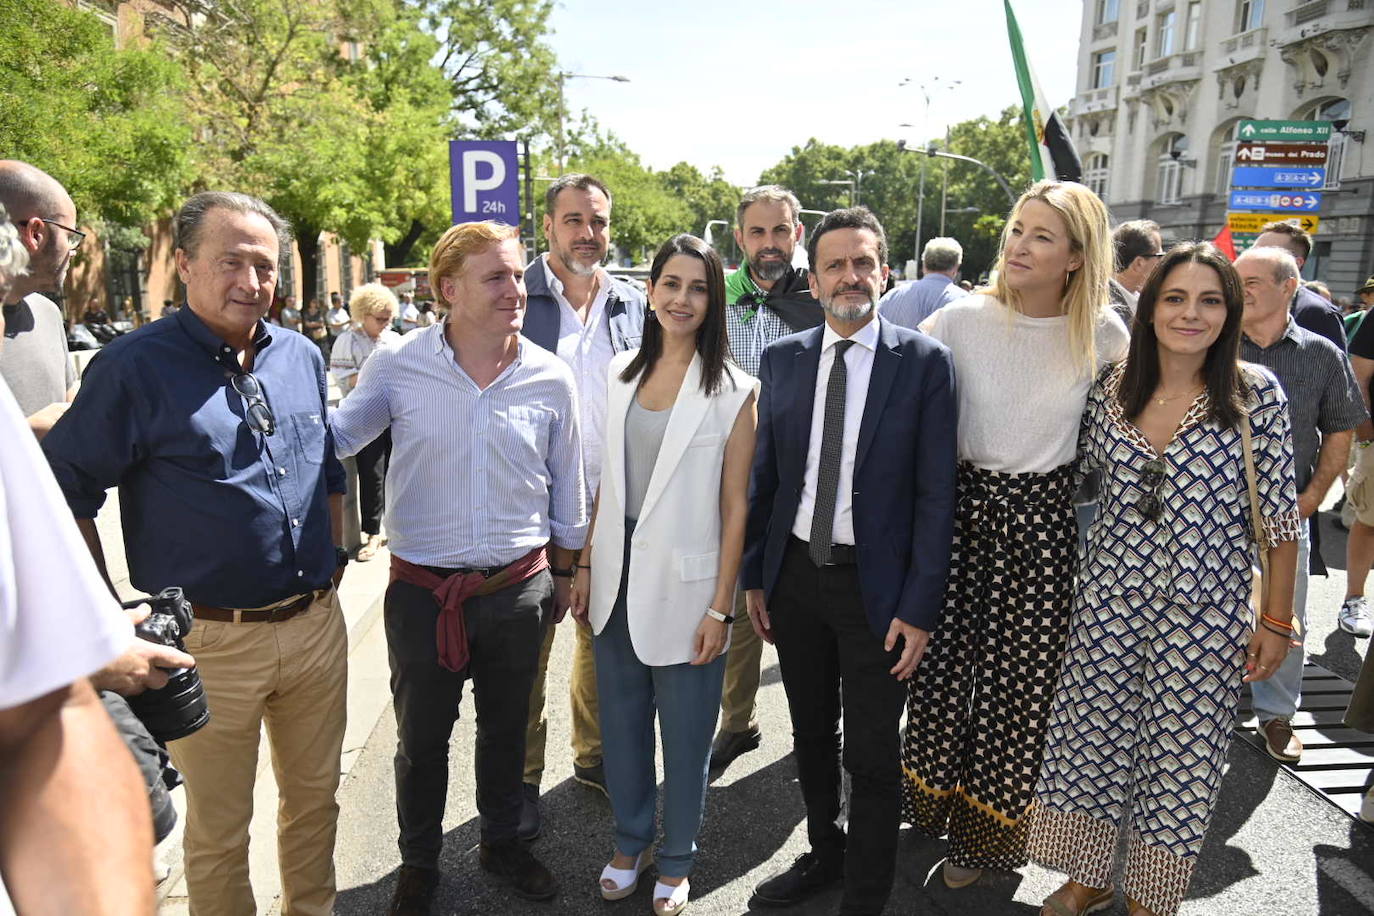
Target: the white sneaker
(1355, 618)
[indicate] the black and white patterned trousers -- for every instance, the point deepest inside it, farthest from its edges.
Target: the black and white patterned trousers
(978, 704)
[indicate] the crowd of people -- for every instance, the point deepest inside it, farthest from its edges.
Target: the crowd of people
(1004, 541)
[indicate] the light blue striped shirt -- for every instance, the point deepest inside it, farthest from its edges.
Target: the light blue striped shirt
(477, 477)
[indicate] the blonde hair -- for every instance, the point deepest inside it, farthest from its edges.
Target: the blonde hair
(1085, 293)
(369, 299)
(454, 246)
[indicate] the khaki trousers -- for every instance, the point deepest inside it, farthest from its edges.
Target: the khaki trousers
(292, 676)
(586, 729)
(741, 672)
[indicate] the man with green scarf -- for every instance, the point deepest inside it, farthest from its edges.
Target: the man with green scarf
(766, 298)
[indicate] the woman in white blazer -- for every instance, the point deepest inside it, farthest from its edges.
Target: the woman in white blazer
(656, 581)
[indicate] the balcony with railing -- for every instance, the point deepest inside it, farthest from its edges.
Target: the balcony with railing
(1185, 65)
(1324, 15)
(1093, 100)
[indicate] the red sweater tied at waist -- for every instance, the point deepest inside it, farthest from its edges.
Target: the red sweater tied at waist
(450, 632)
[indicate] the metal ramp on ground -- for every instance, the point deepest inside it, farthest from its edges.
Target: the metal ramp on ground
(1337, 761)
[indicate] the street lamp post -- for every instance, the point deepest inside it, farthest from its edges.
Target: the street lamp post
(925, 89)
(563, 77)
(849, 182)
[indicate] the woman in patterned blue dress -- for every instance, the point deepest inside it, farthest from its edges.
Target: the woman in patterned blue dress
(1163, 633)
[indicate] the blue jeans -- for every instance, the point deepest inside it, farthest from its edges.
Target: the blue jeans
(686, 699)
(1278, 697)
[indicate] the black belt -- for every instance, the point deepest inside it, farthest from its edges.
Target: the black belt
(840, 554)
(486, 571)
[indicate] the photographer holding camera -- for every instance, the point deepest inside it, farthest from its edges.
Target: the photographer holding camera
(212, 424)
(74, 834)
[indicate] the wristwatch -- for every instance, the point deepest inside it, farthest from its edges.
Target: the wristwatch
(340, 557)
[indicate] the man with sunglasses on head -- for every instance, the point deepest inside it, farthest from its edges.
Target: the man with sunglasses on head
(34, 362)
(213, 426)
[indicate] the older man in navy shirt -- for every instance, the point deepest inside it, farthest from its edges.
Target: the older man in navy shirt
(213, 426)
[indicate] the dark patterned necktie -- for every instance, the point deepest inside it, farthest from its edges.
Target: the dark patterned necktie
(828, 468)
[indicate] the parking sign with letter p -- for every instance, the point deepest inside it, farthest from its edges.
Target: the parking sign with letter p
(486, 181)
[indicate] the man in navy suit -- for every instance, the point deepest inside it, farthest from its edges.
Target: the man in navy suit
(851, 520)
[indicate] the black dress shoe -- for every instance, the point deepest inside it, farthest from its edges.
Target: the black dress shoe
(531, 820)
(593, 777)
(807, 876)
(526, 875)
(729, 745)
(415, 889)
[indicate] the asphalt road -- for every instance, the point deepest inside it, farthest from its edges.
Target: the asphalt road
(1274, 846)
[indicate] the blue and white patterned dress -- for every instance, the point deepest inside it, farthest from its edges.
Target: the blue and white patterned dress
(1152, 674)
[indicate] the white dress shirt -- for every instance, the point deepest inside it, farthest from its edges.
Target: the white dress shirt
(858, 361)
(586, 348)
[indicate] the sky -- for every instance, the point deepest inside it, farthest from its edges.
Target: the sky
(738, 84)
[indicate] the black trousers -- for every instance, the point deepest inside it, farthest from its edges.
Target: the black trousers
(372, 460)
(831, 664)
(504, 630)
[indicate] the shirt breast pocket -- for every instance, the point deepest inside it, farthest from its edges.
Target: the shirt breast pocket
(530, 427)
(308, 429)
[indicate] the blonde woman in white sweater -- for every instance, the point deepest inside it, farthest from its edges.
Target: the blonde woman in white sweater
(1026, 352)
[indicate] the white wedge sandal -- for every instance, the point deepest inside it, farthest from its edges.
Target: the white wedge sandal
(669, 900)
(624, 880)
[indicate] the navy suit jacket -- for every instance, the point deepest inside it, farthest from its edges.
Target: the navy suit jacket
(624, 311)
(905, 469)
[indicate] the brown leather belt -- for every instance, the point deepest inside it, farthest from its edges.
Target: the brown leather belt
(265, 615)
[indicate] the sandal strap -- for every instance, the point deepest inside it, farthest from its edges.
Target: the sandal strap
(674, 894)
(624, 877)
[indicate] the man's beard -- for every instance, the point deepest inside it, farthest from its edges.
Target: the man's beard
(576, 267)
(768, 271)
(850, 312)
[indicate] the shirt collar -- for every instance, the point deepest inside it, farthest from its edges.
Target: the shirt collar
(441, 346)
(866, 337)
(211, 342)
(556, 285)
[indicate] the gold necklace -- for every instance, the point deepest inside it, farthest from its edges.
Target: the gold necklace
(1162, 401)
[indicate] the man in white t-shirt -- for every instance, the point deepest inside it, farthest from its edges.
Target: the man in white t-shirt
(75, 830)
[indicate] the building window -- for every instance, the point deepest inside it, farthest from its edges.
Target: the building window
(1095, 174)
(1104, 69)
(1332, 110)
(1169, 178)
(1106, 11)
(1249, 15)
(1192, 27)
(1138, 56)
(1226, 160)
(1164, 34)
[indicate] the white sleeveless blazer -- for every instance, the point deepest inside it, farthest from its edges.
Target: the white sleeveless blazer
(675, 552)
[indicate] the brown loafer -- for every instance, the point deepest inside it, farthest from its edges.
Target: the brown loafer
(1280, 742)
(1074, 899)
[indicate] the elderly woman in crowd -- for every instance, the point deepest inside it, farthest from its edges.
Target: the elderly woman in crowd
(1190, 443)
(1025, 353)
(373, 308)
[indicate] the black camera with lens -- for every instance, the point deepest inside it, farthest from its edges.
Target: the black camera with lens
(179, 708)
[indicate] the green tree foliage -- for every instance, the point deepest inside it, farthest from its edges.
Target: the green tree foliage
(892, 178)
(104, 122)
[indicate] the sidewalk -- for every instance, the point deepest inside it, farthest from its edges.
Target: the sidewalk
(360, 595)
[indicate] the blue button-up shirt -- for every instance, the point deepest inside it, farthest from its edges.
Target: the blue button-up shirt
(478, 476)
(234, 517)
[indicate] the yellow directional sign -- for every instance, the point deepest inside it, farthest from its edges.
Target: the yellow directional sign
(1253, 222)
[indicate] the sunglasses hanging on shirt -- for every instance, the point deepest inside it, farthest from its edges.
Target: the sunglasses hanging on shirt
(256, 410)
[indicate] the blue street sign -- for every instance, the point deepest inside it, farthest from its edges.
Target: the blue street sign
(1254, 176)
(1298, 201)
(485, 177)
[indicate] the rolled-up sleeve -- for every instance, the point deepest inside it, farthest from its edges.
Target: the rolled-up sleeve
(567, 500)
(98, 439)
(1274, 470)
